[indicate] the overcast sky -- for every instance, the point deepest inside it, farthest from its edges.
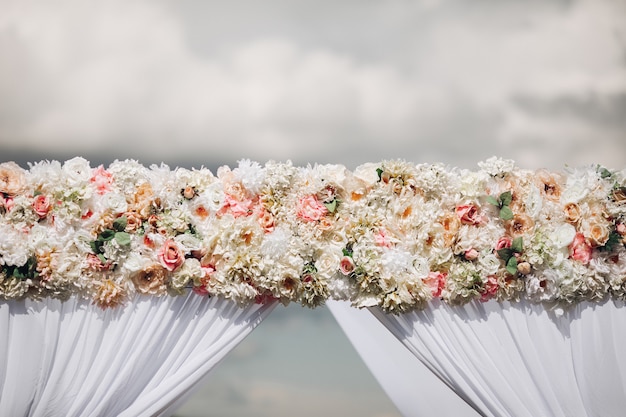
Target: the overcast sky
(193, 82)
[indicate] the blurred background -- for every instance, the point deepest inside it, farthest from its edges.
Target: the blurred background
(204, 83)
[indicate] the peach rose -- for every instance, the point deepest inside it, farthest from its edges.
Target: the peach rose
(133, 221)
(170, 255)
(450, 224)
(310, 209)
(598, 233)
(41, 205)
(12, 179)
(435, 281)
(579, 249)
(266, 220)
(572, 213)
(468, 214)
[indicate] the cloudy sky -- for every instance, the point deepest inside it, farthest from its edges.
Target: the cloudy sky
(193, 82)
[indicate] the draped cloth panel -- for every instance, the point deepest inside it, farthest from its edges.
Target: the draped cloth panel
(73, 359)
(520, 359)
(410, 385)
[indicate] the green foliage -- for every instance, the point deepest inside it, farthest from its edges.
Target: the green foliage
(502, 202)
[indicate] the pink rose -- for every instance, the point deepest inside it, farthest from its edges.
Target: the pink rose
(468, 214)
(435, 281)
(170, 255)
(310, 209)
(503, 243)
(491, 288)
(579, 249)
(621, 228)
(346, 265)
(41, 205)
(7, 203)
(471, 254)
(102, 180)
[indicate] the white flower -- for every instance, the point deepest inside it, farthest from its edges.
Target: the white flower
(563, 235)
(534, 202)
(77, 171)
(496, 166)
(276, 244)
(115, 202)
(250, 174)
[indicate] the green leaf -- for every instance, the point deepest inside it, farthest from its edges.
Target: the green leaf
(604, 173)
(106, 235)
(122, 238)
(511, 265)
(95, 246)
(492, 200)
(506, 213)
(379, 171)
(505, 254)
(102, 258)
(506, 198)
(332, 206)
(517, 245)
(347, 252)
(120, 223)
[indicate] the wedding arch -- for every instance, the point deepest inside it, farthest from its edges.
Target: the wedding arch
(506, 284)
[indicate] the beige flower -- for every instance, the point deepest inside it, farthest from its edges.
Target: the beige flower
(12, 179)
(619, 195)
(572, 213)
(520, 225)
(142, 200)
(550, 184)
(597, 232)
(109, 294)
(451, 224)
(151, 280)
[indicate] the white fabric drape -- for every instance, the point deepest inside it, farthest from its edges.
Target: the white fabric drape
(73, 359)
(412, 387)
(521, 359)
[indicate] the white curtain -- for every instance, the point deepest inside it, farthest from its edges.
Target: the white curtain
(521, 359)
(61, 359)
(412, 387)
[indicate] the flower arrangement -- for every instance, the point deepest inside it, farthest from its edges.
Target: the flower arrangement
(390, 234)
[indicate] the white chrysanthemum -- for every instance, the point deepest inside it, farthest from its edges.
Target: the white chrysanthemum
(277, 243)
(46, 175)
(212, 197)
(495, 166)
(472, 184)
(489, 263)
(77, 171)
(250, 174)
(396, 262)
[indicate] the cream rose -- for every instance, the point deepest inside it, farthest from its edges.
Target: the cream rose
(12, 179)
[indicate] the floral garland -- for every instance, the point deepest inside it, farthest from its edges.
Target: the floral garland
(391, 234)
